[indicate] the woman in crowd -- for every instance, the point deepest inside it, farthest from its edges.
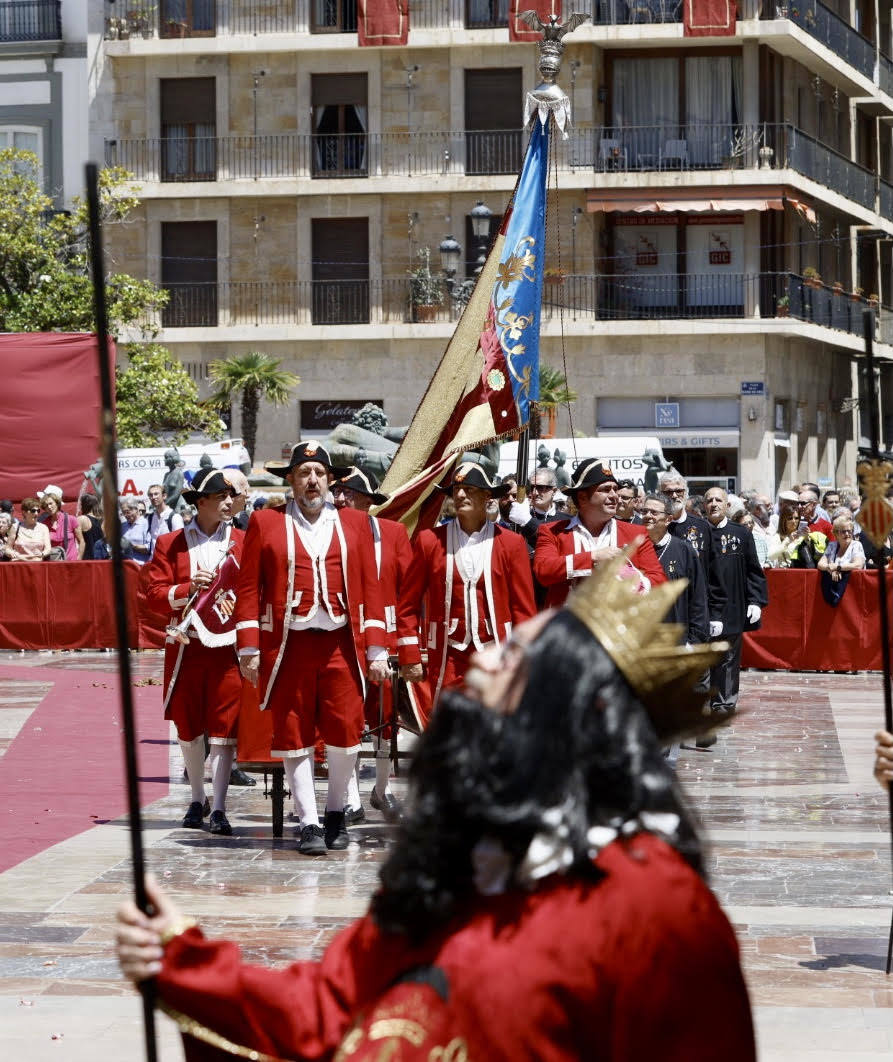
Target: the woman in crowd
(30, 541)
(845, 552)
(90, 525)
(65, 533)
(5, 528)
(545, 895)
(793, 545)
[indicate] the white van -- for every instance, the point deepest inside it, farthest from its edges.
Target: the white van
(138, 469)
(636, 457)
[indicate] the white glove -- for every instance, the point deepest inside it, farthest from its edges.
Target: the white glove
(520, 513)
(715, 628)
(753, 613)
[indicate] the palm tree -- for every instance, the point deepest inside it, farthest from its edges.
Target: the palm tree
(554, 392)
(255, 376)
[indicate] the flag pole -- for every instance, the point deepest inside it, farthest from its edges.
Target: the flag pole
(878, 540)
(113, 525)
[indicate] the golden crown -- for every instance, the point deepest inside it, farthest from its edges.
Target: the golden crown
(649, 652)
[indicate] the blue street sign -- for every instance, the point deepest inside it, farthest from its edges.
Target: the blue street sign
(753, 387)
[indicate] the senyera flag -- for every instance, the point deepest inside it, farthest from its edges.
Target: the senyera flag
(489, 375)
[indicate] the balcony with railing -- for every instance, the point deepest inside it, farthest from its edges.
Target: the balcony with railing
(176, 19)
(829, 29)
(601, 149)
(592, 297)
(30, 20)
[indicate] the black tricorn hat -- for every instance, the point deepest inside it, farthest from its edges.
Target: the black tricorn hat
(360, 483)
(306, 451)
(590, 473)
(207, 481)
(471, 474)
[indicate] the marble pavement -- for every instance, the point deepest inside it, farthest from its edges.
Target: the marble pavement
(800, 859)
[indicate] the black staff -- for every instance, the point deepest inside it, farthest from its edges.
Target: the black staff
(113, 524)
(878, 536)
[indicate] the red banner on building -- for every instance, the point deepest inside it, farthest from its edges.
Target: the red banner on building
(520, 31)
(382, 22)
(708, 18)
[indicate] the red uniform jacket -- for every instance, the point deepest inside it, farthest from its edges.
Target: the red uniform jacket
(393, 555)
(164, 590)
(597, 970)
(556, 564)
(507, 592)
(265, 592)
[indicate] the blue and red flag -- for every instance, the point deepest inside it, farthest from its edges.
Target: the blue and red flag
(483, 387)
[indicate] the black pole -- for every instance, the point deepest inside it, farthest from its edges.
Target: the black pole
(113, 525)
(875, 443)
(521, 466)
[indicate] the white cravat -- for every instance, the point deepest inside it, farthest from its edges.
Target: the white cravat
(316, 537)
(206, 551)
(471, 553)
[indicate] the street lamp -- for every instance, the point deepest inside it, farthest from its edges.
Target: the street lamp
(480, 227)
(451, 254)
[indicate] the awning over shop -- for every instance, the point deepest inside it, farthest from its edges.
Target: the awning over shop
(693, 201)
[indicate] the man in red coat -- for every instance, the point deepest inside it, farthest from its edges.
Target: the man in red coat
(202, 684)
(473, 579)
(393, 555)
(310, 623)
(569, 550)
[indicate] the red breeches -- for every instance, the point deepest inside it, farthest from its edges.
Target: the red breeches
(207, 693)
(317, 690)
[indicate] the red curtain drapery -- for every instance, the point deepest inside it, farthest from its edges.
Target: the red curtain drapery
(708, 18)
(381, 22)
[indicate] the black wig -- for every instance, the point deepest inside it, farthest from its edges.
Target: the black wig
(579, 741)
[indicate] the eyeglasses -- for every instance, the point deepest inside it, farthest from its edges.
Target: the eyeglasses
(538, 488)
(35, 509)
(804, 504)
(653, 512)
(674, 490)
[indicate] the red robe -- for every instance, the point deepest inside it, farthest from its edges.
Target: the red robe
(507, 592)
(265, 602)
(557, 564)
(639, 965)
(164, 590)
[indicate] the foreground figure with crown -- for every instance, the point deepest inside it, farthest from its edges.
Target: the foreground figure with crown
(545, 896)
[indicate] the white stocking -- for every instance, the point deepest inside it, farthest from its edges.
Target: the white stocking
(221, 763)
(299, 773)
(194, 758)
(341, 765)
(353, 788)
(382, 768)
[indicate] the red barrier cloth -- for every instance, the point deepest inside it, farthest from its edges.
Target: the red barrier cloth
(50, 411)
(381, 22)
(69, 605)
(520, 31)
(708, 18)
(800, 632)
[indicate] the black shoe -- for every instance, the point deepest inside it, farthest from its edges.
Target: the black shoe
(220, 824)
(335, 831)
(388, 805)
(354, 816)
(706, 741)
(311, 842)
(239, 777)
(196, 812)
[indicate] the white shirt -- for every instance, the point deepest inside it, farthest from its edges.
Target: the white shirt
(316, 537)
(158, 524)
(207, 551)
(471, 554)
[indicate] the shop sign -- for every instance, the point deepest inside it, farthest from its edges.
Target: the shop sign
(324, 414)
(666, 414)
(720, 252)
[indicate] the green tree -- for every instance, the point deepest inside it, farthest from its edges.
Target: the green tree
(254, 376)
(554, 392)
(45, 283)
(158, 400)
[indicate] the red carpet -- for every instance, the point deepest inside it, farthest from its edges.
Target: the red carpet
(65, 769)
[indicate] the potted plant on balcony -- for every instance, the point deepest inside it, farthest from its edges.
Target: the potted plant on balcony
(553, 275)
(425, 289)
(812, 277)
(141, 19)
(783, 306)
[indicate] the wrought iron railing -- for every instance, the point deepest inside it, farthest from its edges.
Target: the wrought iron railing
(603, 149)
(30, 20)
(199, 18)
(885, 200)
(600, 297)
(885, 74)
(828, 28)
